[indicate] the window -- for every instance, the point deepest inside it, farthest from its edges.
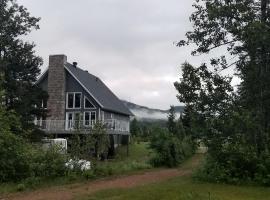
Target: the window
(87, 103)
(70, 100)
(77, 100)
(74, 100)
(93, 116)
(86, 119)
(89, 118)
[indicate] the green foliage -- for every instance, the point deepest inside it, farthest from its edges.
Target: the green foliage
(134, 127)
(169, 150)
(75, 146)
(141, 130)
(49, 163)
(19, 64)
(235, 127)
(19, 160)
(171, 125)
(100, 140)
(15, 155)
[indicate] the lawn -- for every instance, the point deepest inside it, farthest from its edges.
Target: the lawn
(183, 188)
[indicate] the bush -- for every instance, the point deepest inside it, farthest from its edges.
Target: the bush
(49, 163)
(19, 160)
(235, 164)
(15, 158)
(169, 150)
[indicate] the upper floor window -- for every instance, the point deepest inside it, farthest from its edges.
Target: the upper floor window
(88, 103)
(74, 99)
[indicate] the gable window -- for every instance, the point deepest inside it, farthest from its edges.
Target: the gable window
(74, 100)
(89, 118)
(88, 103)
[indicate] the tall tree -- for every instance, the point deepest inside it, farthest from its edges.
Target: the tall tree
(208, 97)
(242, 27)
(19, 64)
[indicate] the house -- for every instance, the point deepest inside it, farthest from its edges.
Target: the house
(77, 100)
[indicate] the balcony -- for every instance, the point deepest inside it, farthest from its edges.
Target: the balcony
(112, 126)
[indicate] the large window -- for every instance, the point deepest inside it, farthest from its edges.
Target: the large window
(89, 118)
(74, 100)
(88, 104)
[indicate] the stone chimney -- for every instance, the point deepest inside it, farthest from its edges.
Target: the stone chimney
(56, 87)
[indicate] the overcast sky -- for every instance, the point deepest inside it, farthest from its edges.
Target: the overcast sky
(128, 44)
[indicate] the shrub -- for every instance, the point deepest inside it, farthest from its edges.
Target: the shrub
(20, 187)
(49, 163)
(169, 150)
(235, 164)
(15, 158)
(89, 174)
(19, 160)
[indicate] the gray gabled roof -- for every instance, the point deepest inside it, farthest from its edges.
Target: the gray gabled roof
(98, 90)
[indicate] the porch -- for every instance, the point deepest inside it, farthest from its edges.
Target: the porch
(112, 126)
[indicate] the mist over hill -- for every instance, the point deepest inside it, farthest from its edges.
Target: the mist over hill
(150, 114)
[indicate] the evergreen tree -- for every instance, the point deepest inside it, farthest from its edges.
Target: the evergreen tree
(134, 127)
(171, 124)
(19, 64)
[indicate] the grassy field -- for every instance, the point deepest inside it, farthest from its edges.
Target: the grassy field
(183, 188)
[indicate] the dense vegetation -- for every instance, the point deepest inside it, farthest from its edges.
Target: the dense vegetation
(233, 124)
(19, 66)
(172, 145)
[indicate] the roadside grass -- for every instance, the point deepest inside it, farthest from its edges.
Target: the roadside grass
(136, 161)
(183, 188)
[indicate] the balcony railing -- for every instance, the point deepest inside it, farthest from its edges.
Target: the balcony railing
(84, 126)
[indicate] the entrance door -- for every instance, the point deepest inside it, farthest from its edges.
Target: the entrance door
(72, 120)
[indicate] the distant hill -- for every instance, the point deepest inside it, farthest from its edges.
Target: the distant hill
(150, 114)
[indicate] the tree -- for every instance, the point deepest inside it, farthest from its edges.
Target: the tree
(134, 127)
(207, 95)
(235, 127)
(19, 64)
(100, 140)
(171, 124)
(243, 28)
(180, 130)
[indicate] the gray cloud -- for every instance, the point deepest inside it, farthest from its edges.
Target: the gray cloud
(128, 44)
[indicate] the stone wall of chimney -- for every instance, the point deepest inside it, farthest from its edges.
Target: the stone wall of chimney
(56, 87)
